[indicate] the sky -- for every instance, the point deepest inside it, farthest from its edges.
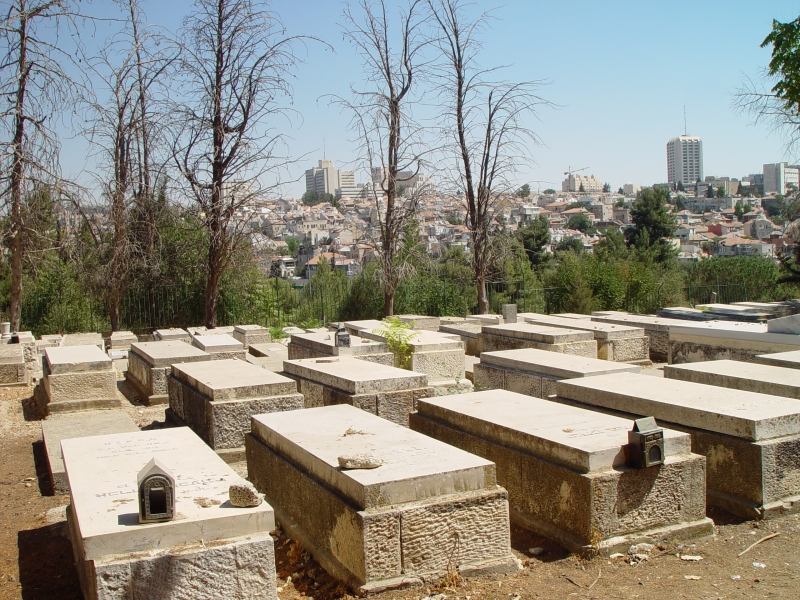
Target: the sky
(620, 73)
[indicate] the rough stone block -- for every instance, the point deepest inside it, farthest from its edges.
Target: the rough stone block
(83, 339)
(323, 344)
(77, 378)
(251, 334)
(566, 469)
(526, 335)
(211, 550)
(172, 335)
(13, 371)
(751, 441)
(750, 377)
(719, 340)
(122, 340)
(149, 364)
(421, 322)
(428, 508)
(222, 344)
(216, 399)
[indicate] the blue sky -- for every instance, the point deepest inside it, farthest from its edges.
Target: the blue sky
(620, 71)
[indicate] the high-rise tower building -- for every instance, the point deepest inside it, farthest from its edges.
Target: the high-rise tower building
(685, 160)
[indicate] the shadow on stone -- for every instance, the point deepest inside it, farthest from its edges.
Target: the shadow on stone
(30, 410)
(523, 541)
(42, 469)
(46, 564)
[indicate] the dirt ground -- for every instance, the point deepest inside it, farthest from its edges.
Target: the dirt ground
(36, 557)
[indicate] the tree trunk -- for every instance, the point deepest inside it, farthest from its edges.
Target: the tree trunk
(212, 298)
(15, 308)
(113, 308)
(388, 302)
(483, 300)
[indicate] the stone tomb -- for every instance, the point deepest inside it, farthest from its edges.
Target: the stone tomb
(251, 334)
(567, 469)
(440, 356)
(77, 378)
(216, 400)
(268, 356)
(122, 340)
(750, 377)
(426, 509)
(211, 549)
(720, 340)
(524, 335)
(421, 322)
(535, 372)
(619, 343)
(320, 345)
(221, 346)
(64, 426)
(468, 331)
(83, 339)
(787, 360)
(172, 335)
(149, 364)
(360, 327)
(751, 441)
(385, 391)
(13, 371)
(656, 329)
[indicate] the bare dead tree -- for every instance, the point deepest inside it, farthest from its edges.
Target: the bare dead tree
(35, 87)
(389, 138)
(484, 125)
(132, 66)
(236, 62)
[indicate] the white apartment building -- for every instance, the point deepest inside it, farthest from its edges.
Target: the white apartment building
(326, 179)
(778, 176)
(589, 183)
(684, 160)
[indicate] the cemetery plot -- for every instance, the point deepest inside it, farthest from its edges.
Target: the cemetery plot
(525, 335)
(149, 364)
(751, 377)
(76, 378)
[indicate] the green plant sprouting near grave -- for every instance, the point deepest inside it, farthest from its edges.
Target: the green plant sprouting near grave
(397, 335)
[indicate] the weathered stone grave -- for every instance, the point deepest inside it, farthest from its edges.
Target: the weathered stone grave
(149, 364)
(251, 334)
(172, 335)
(13, 371)
(426, 508)
(64, 426)
(210, 549)
(202, 330)
(441, 357)
(360, 327)
(718, 340)
(619, 343)
(656, 329)
(83, 339)
(76, 378)
(526, 335)
(268, 356)
(535, 372)
(751, 441)
(787, 360)
(467, 331)
(320, 345)
(122, 340)
(382, 390)
(421, 322)
(221, 346)
(568, 470)
(733, 312)
(737, 375)
(216, 400)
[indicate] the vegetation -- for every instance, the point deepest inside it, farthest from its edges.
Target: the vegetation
(397, 335)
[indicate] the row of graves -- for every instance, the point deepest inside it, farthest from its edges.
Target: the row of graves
(392, 476)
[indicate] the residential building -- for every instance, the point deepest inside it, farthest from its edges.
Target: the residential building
(327, 179)
(779, 176)
(684, 160)
(582, 183)
(631, 189)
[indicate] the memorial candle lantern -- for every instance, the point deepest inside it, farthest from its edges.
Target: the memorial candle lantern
(156, 487)
(645, 443)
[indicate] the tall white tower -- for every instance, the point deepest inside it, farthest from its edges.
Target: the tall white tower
(685, 159)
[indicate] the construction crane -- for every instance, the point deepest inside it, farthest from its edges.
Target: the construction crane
(569, 172)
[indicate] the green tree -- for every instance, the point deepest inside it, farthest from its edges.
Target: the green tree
(785, 63)
(581, 222)
(620, 191)
(524, 191)
(721, 191)
(314, 198)
(606, 187)
(611, 246)
(293, 244)
(653, 222)
(549, 192)
(680, 187)
(738, 211)
(581, 189)
(535, 237)
(620, 203)
(570, 244)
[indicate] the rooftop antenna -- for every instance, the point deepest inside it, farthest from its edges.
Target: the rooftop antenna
(684, 121)
(325, 156)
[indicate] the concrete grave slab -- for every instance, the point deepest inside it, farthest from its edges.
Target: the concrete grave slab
(535, 372)
(366, 325)
(726, 340)
(382, 390)
(320, 345)
(222, 345)
(76, 378)
(210, 550)
(440, 356)
(750, 440)
(656, 329)
(251, 334)
(64, 426)
(421, 322)
(787, 360)
(268, 356)
(750, 377)
(567, 469)
(426, 508)
(788, 325)
(83, 339)
(620, 343)
(525, 335)
(149, 364)
(172, 335)
(216, 400)
(12, 366)
(467, 331)
(122, 340)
